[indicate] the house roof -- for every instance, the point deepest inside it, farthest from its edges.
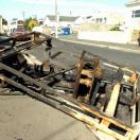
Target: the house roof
(63, 18)
(132, 3)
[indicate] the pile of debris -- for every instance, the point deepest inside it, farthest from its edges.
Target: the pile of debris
(103, 95)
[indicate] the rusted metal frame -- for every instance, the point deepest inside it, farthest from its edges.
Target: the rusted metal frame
(65, 89)
(48, 38)
(105, 119)
(79, 69)
(33, 93)
(23, 46)
(25, 77)
(134, 103)
(58, 73)
(23, 35)
(14, 39)
(96, 114)
(111, 64)
(97, 86)
(89, 94)
(6, 40)
(135, 88)
(138, 111)
(72, 111)
(105, 60)
(32, 33)
(134, 100)
(92, 111)
(130, 134)
(55, 54)
(18, 48)
(42, 85)
(137, 101)
(28, 91)
(122, 83)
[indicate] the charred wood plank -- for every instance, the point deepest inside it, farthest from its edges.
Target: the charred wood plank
(53, 56)
(58, 73)
(2, 41)
(16, 49)
(48, 89)
(25, 77)
(72, 111)
(111, 107)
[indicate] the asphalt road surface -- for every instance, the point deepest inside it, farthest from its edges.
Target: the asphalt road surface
(23, 118)
(120, 57)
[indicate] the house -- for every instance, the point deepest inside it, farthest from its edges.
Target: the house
(63, 20)
(133, 7)
(102, 17)
(133, 20)
(3, 25)
(1, 30)
(15, 23)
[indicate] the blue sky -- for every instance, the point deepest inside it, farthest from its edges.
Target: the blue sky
(15, 8)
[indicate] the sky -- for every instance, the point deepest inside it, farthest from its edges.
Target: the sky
(26, 8)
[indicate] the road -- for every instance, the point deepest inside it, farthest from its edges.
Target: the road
(23, 118)
(120, 57)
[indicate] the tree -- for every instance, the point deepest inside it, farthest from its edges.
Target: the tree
(30, 23)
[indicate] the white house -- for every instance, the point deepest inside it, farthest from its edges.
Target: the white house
(133, 18)
(82, 19)
(134, 14)
(14, 24)
(109, 16)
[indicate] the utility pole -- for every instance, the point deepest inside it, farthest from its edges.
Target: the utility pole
(0, 24)
(56, 18)
(23, 15)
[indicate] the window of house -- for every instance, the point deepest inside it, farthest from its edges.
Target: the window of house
(136, 13)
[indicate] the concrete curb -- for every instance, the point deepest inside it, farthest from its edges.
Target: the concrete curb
(118, 48)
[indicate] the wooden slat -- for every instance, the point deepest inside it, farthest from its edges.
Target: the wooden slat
(112, 104)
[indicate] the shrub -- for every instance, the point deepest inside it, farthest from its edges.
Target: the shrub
(115, 28)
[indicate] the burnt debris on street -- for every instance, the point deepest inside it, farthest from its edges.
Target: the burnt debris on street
(102, 94)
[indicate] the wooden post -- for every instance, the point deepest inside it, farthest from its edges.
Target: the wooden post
(133, 120)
